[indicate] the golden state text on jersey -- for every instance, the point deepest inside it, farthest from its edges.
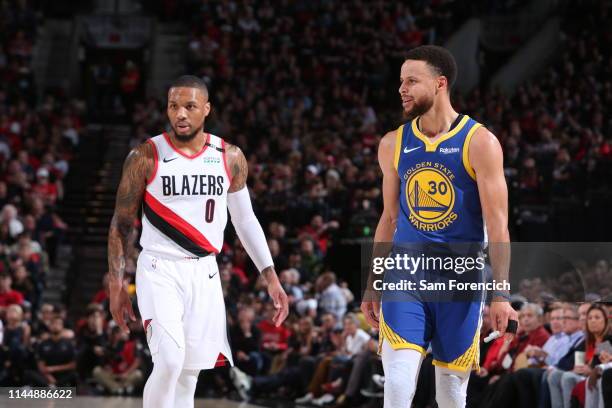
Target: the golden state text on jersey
(439, 199)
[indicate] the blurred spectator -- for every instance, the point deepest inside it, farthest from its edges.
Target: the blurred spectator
(120, 374)
(246, 342)
(56, 359)
(8, 296)
(331, 297)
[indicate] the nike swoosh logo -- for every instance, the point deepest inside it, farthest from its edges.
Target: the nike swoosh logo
(211, 276)
(166, 160)
(407, 150)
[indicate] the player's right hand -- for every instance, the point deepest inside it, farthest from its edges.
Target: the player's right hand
(121, 305)
(371, 311)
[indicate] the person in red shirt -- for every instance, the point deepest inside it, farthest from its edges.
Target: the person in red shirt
(274, 340)
(121, 373)
(8, 296)
(45, 189)
(531, 333)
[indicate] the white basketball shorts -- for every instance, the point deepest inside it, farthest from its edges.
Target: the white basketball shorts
(184, 299)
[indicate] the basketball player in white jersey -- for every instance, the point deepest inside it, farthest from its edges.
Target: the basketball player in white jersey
(184, 181)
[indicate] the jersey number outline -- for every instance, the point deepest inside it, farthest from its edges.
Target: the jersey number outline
(210, 210)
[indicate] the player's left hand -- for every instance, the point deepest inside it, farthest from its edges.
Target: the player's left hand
(279, 297)
(501, 312)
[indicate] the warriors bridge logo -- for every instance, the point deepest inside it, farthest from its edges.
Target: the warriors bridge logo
(430, 196)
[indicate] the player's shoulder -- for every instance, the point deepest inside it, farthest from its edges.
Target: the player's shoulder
(232, 151)
(389, 140)
(484, 140)
(141, 156)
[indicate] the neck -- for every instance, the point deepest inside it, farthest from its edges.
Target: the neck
(192, 146)
(438, 119)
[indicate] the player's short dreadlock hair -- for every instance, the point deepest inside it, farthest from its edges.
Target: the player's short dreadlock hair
(438, 58)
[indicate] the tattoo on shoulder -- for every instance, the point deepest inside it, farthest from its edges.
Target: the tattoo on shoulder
(238, 167)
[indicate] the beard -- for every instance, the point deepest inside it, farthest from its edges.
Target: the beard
(419, 108)
(188, 137)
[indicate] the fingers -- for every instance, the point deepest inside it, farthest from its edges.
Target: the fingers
(121, 323)
(118, 317)
(371, 312)
(130, 311)
(281, 304)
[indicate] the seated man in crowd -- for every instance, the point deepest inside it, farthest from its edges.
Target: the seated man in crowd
(56, 360)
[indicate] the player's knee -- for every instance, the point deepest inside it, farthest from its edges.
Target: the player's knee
(169, 360)
(399, 381)
(450, 390)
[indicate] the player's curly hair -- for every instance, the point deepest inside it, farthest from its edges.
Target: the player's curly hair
(438, 58)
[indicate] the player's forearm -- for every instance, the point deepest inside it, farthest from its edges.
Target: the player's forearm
(499, 250)
(269, 274)
(118, 241)
(385, 229)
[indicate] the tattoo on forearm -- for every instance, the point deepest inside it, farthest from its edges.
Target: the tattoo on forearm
(267, 273)
(136, 168)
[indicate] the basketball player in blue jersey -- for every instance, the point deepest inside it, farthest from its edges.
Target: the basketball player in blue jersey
(442, 175)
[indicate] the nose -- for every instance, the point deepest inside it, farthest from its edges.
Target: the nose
(402, 87)
(181, 113)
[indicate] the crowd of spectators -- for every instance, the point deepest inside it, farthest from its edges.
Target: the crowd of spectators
(38, 140)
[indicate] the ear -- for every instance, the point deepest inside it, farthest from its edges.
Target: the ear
(442, 82)
(207, 109)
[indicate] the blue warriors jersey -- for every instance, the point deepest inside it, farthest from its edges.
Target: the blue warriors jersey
(439, 199)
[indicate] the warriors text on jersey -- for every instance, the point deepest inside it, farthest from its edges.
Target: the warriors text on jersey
(185, 202)
(439, 198)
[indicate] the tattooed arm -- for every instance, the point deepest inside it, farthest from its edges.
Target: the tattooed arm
(138, 165)
(250, 232)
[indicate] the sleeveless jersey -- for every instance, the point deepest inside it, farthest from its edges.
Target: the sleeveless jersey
(439, 199)
(185, 201)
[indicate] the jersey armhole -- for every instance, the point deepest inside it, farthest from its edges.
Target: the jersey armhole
(398, 146)
(466, 151)
(156, 161)
(224, 154)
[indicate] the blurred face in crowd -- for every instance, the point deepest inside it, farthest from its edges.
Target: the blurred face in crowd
(328, 321)
(5, 283)
(269, 311)
(305, 325)
(596, 322)
(571, 321)
(14, 314)
(419, 87)
(56, 327)
(528, 319)
(556, 321)
(94, 320)
(350, 326)
(246, 316)
(46, 312)
(187, 110)
(582, 314)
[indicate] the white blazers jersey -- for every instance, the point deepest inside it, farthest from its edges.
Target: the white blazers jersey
(185, 202)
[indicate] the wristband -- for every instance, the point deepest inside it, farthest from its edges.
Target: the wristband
(502, 295)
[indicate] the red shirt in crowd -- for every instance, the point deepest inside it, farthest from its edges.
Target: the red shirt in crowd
(11, 297)
(272, 334)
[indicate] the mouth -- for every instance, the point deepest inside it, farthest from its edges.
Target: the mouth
(182, 126)
(407, 100)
